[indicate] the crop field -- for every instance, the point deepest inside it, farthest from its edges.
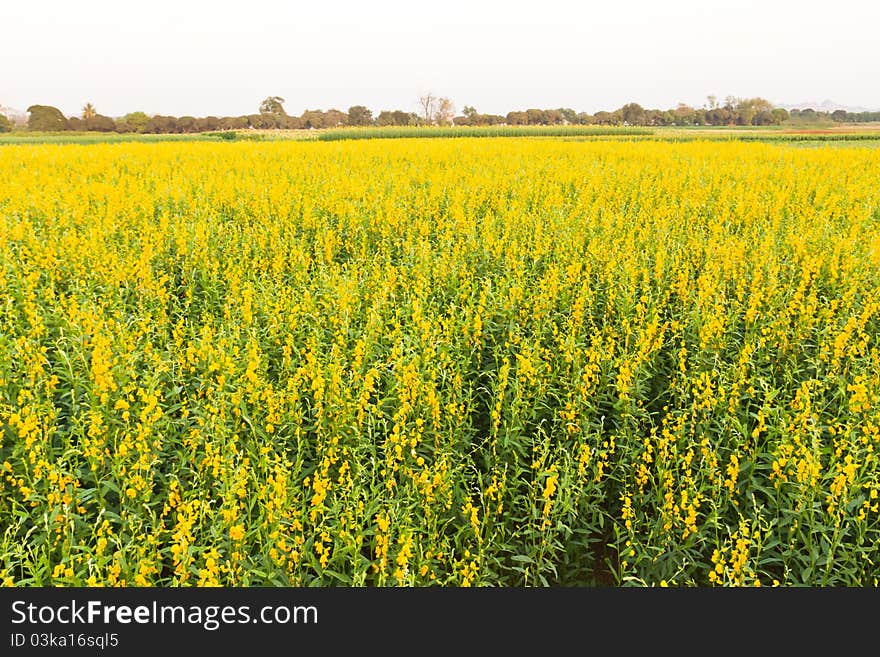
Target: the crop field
(867, 135)
(333, 134)
(453, 362)
(71, 137)
(422, 132)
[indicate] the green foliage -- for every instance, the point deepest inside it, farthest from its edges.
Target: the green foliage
(273, 105)
(5, 125)
(136, 121)
(358, 115)
(46, 118)
(396, 118)
(99, 123)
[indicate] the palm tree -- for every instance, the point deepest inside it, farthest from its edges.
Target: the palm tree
(89, 111)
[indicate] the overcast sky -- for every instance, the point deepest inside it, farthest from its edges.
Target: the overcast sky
(223, 57)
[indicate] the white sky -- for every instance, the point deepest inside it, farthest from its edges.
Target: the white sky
(223, 57)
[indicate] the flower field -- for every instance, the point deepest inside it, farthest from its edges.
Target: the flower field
(485, 362)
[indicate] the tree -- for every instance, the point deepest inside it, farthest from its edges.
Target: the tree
(262, 121)
(535, 116)
(808, 114)
(358, 115)
(137, 121)
(684, 114)
(385, 118)
(476, 118)
(780, 115)
(161, 125)
(186, 124)
(763, 117)
(444, 112)
(655, 117)
(746, 116)
(756, 104)
(99, 123)
(273, 105)
(569, 115)
(712, 102)
(46, 118)
(428, 103)
(554, 117)
(839, 115)
(89, 112)
(396, 117)
(233, 123)
(469, 111)
(313, 119)
(608, 118)
(289, 123)
(208, 123)
(333, 118)
(5, 125)
(719, 116)
(633, 114)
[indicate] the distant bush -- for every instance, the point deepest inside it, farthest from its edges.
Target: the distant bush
(133, 122)
(99, 123)
(46, 118)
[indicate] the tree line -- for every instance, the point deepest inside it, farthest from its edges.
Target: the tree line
(434, 111)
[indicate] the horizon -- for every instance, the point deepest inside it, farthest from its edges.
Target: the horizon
(192, 60)
(818, 106)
